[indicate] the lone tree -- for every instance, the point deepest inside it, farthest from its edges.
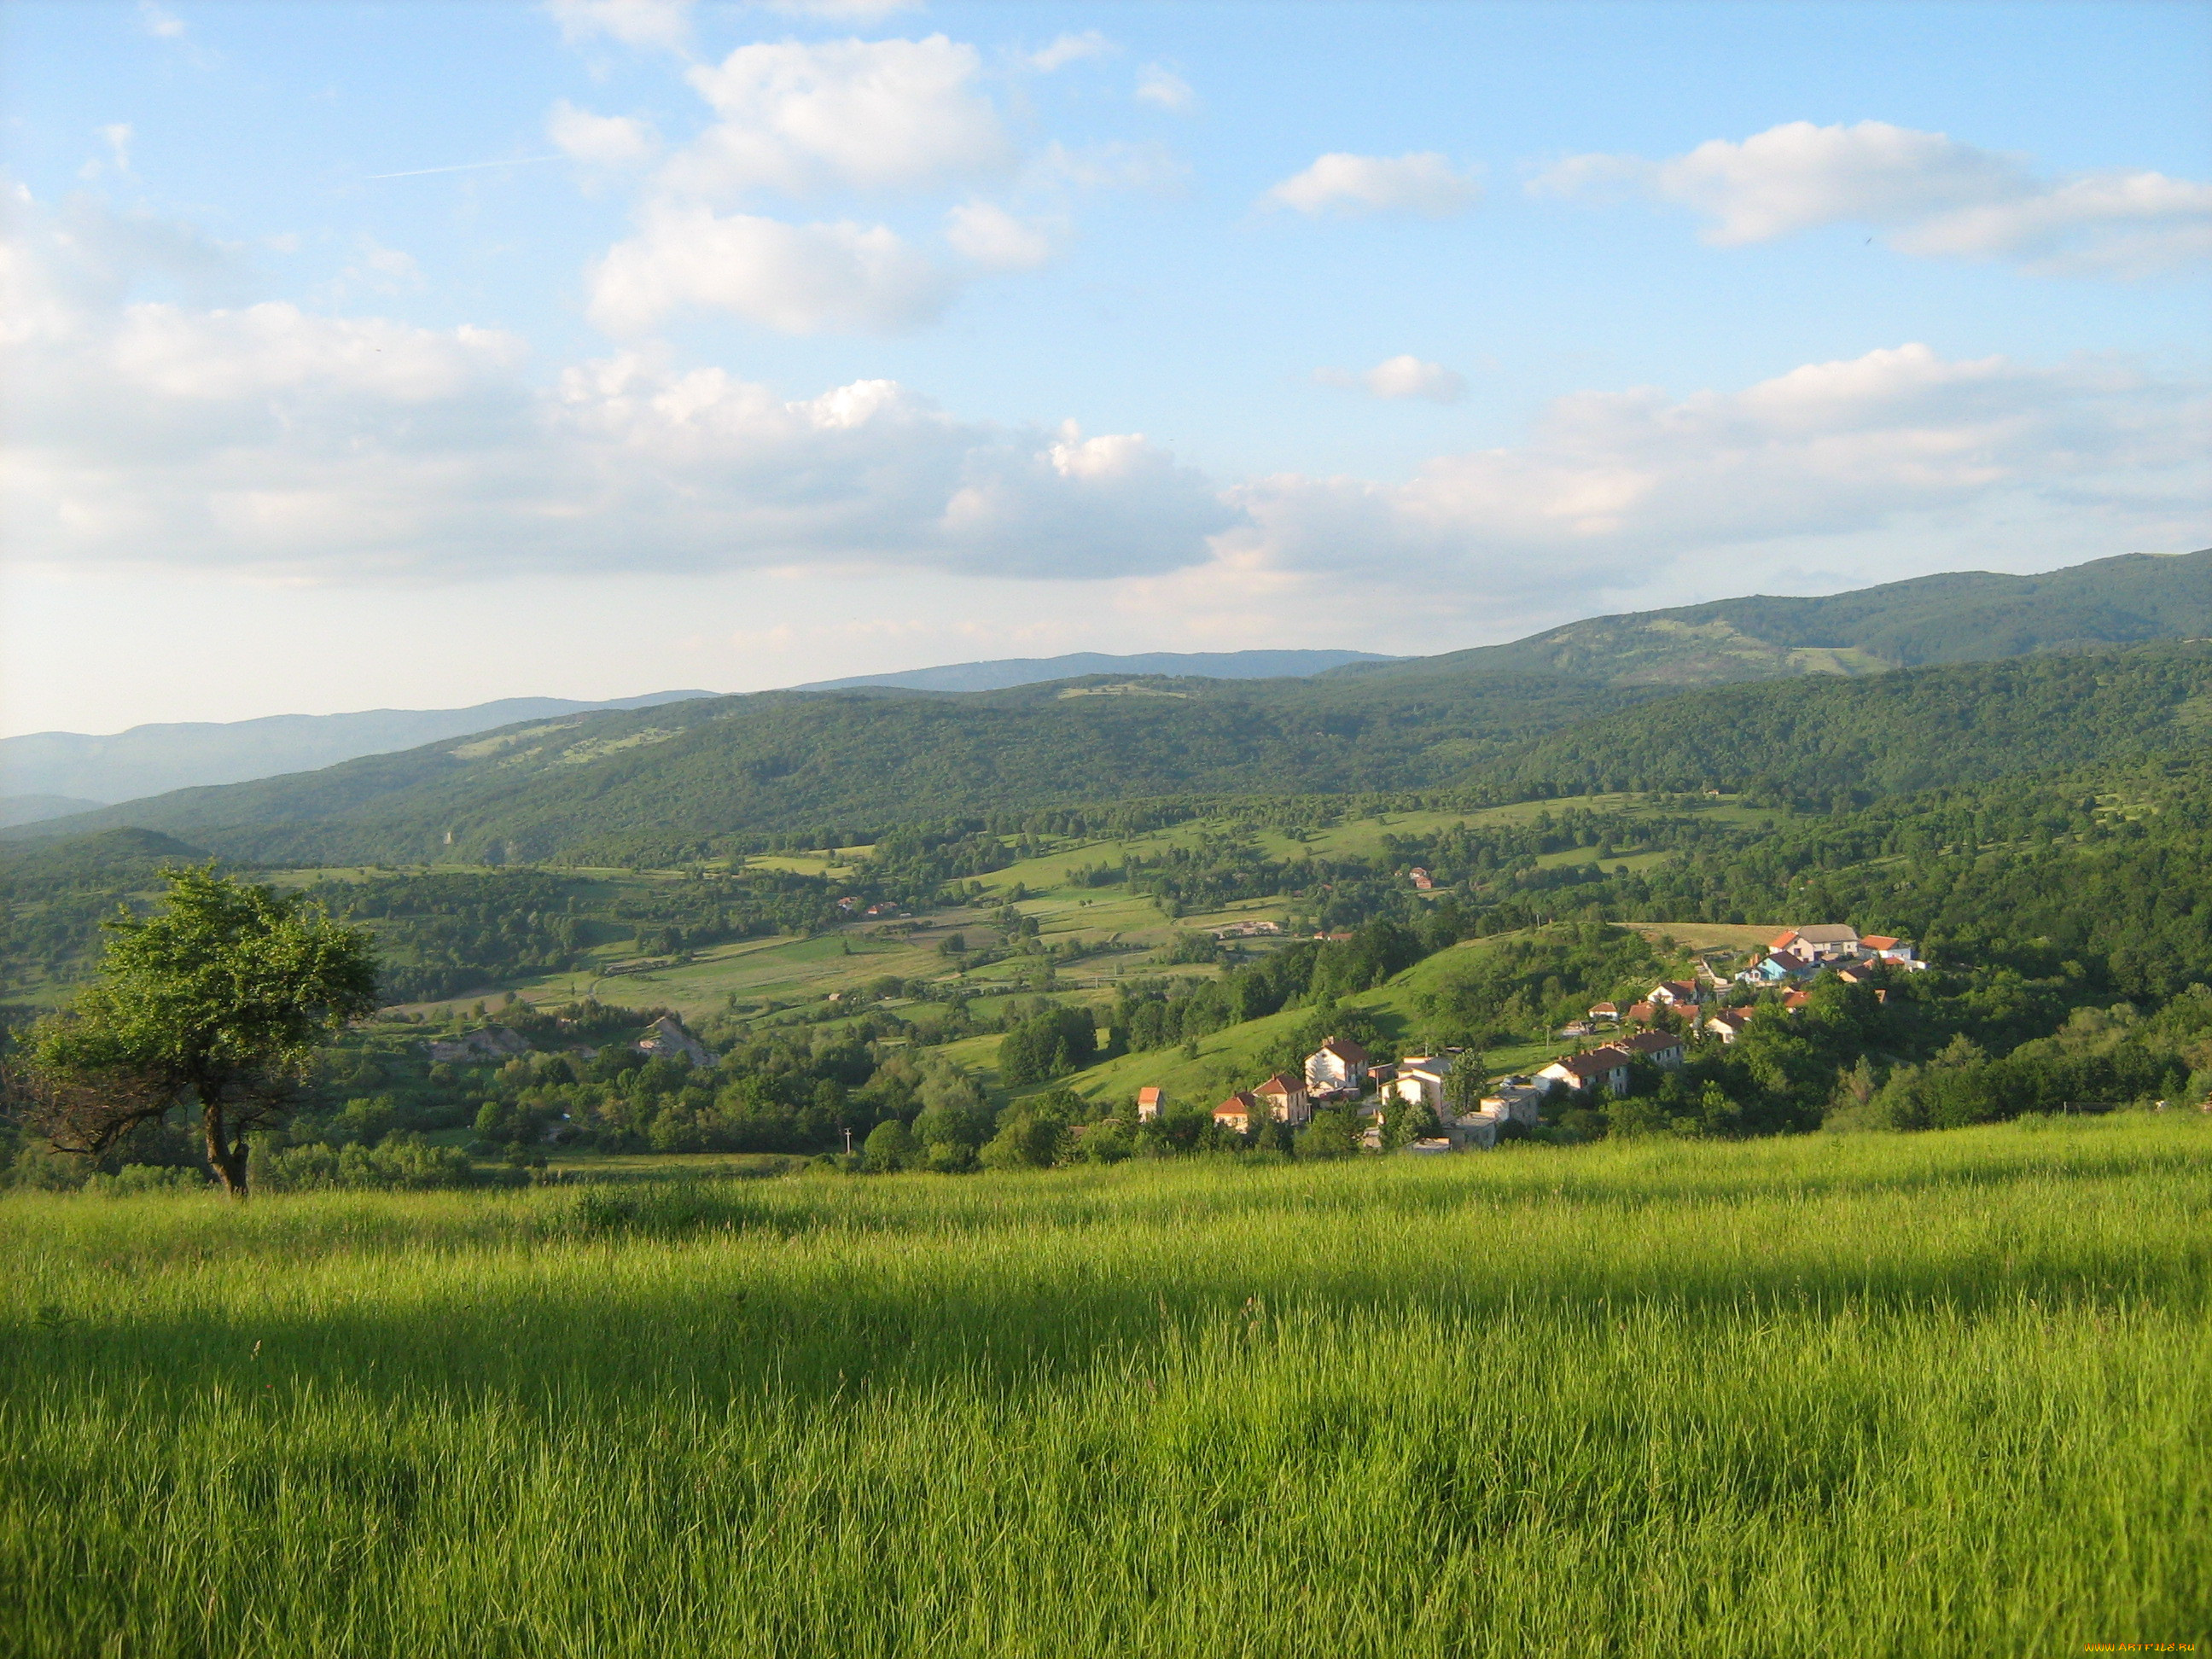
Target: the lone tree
(215, 1004)
(1466, 1084)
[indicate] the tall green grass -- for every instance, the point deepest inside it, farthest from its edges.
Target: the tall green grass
(1948, 1395)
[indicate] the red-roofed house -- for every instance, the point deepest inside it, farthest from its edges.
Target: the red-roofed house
(1238, 1111)
(1728, 1023)
(1608, 1066)
(1659, 1047)
(1339, 1063)
(1818, 943)
(1890, 948)
(1149, 1102)
(1285, 1097)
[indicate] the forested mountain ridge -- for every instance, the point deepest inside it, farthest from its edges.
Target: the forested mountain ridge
(693, 779)
(1822, 742)
(1007, 672)
(777, 761)
(1960, 616)
(148, 759)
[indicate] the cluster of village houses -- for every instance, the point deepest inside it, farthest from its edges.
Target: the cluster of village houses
(1340, 1070)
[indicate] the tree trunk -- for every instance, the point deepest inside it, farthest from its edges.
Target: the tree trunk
(226, 1157)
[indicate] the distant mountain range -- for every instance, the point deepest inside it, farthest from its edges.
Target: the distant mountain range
(1032, 670)
(46, 774)
(52, 775)
(677, 780)
(683, 769)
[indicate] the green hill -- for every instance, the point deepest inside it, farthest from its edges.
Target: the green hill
(669, 783)
(1974, 615)
(1811, 741)
(692, 774)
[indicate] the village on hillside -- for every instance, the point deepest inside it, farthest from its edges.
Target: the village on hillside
(1472, 1112)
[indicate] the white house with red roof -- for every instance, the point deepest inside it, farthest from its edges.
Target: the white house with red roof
(1285, 1097)
(1607, 1065)
(1238, 1111)
(1728, 1023)
(1824, 942)
(1660, 1048)
(1338, 1063)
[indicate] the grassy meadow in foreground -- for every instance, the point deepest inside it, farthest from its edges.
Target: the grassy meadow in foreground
(1915, 1396)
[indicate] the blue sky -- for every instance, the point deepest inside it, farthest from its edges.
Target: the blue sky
(426, 353)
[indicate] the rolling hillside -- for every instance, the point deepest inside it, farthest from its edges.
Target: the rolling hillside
(1974, 615)
(783, 761)
(150, 760)
(667, 783)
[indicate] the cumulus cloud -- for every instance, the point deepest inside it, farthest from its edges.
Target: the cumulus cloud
(1422, 183)
(996, 239)
(1163, 89)
(801, 117)
(224, 356)
(266, 438)
(1929, 193)
(1069, 49)
(663, 23)
(847, 11)
(1612, 482)
(606, 141)
(1408, 376)
(801, 279)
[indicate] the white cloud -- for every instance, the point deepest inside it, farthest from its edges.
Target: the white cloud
(117, 137)
(802, 279)
(382, 270)
(1162, 87)
(219, 356)
(996, 239)
(663, 23)
(160, 21)
(853, 11)
(871, 115)
(1615, 486)
(265, 439)
(1931, 194)
(1069, 49)
(1422, 182)
(600, 140)
(1408, 376)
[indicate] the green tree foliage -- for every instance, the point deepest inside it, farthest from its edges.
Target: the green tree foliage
(216, 1004)
(889, 1147)
(1049, 1043)
(1405, 1121)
